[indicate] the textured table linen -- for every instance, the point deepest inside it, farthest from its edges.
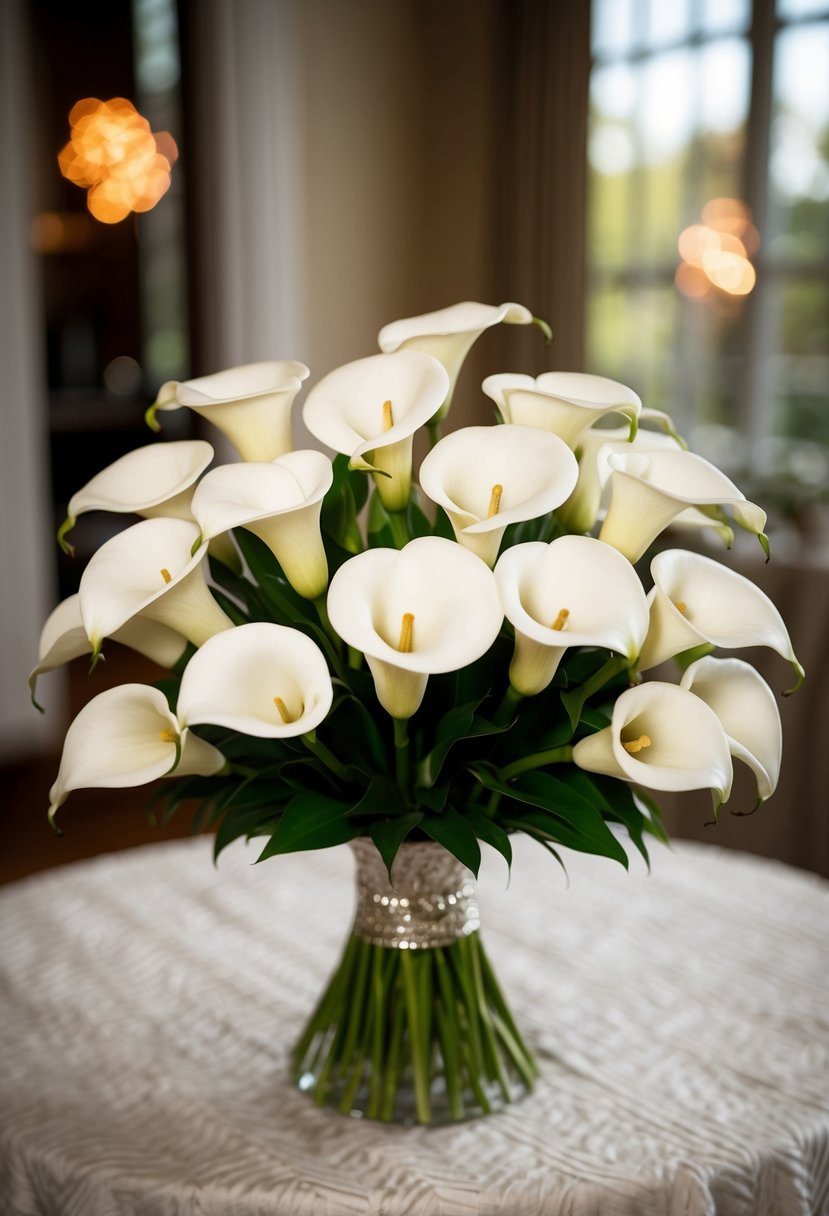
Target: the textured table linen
(149, 1002)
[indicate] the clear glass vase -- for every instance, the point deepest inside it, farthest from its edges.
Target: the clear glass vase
(412, 1026)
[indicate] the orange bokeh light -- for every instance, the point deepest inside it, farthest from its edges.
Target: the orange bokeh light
(115, 156)
(716, 252)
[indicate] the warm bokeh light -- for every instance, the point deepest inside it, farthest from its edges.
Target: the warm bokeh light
(60, 232)
(717, 251)
(692, 281)
(115, 155)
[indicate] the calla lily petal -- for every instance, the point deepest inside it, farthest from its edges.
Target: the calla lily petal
(280, 502)
(63, 638)
(149, 569)
(371, 408)
(487, 477)
(449, 333)
(696, 600)
(126, 736)
(594, 448)
(430, 607)
(649, 489)
(155, 479)
(250, 405)
(664, 738)
(745, 705)
(260, 679)
(566, 403)
(575, 591)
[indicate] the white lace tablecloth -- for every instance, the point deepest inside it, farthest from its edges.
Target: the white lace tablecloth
(149, 1001)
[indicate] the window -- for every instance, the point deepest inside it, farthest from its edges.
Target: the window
(716, 113)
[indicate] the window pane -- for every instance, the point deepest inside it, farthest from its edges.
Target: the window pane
(801, 408)
(725, 16)
(668, 23)
(799, 165)
(612, 27)
(801, 8)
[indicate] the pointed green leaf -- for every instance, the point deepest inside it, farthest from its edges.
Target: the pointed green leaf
(389, 834)
(310, 821)
(452, 831)
(488, 830)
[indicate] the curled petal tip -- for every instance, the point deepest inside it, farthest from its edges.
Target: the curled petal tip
(97, 654)
(33, 692)
(764, 545)
(51, 817)
(745, 814)
(67, 526)
(197, 544)
(151, 419)
(544, 327)
(801, 676)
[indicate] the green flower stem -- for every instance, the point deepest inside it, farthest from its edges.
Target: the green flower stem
(506, 710)
(399, 529)
(553, 755)
(401, 754)
(433, 427)
(355, 658)
(607, 671)
(322, 612)
(423, 1034)
(322, 753)
(410, 966)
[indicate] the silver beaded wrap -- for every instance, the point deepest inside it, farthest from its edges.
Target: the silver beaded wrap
(430, 902)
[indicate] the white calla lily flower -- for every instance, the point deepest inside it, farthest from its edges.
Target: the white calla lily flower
(448, 334)
(250, 405)
(575, 591)
(664, 738)
(566, 403)
(584, 506)
(370, 409)
(649, 489)
(487, 477)
(128, 736)
(279, 502)
(427, 608)
(697, 601)
(260, 679)
(63, 638)
(745, 705)
(157, 479)
(149, 569)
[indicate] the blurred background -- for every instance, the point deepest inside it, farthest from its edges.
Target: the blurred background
(650, 177)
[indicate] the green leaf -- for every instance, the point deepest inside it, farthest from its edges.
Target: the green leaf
(488, 830)
(433, 799)
(389, 834)
(380, 535)
(382, 797)
(615, 800)
(563, 814)
(419, 523)
(338, 517)
(310, 821)
(452, 831)
(457, 724)
(443, 525)
(246, 822)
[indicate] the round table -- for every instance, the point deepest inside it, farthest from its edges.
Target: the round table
(149, 1001)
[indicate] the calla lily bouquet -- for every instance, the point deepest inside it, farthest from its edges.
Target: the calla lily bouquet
(356, 652)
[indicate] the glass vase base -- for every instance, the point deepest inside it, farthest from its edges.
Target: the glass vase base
(413, 1036)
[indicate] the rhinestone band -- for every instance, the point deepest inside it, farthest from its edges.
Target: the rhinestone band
(430, 903)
